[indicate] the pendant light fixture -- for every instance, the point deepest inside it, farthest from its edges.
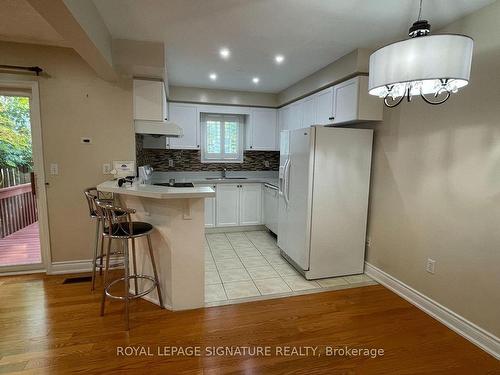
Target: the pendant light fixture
(432, 66)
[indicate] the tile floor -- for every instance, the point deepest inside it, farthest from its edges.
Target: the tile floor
(243, 266)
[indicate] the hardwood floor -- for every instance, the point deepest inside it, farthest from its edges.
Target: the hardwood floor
(54, 328)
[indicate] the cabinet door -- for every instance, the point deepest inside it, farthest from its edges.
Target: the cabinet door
(227, 205)
(285, 118)
(324, 106)
(296, 115)
(250, 204)
(309, 112)
(345, 99)
(150, 141)
(209, 208)
(263, 131)
(186, 116)
(149, 97)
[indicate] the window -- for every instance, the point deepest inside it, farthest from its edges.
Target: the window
(222, 138)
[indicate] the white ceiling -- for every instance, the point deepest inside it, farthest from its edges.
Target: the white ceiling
(19, 22)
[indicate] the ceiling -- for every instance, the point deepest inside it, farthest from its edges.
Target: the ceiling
(309, 33)
(19, 22)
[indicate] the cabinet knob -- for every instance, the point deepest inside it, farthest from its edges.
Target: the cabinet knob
(331, 118)
(251, 146)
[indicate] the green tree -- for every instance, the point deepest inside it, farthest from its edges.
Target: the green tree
(15, 132)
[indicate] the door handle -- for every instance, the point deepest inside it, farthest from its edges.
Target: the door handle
(33, 183)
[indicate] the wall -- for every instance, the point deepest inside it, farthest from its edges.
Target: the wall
(436, 187)
(213, 96)
(190, 160)
(75, 103)
(347, 66)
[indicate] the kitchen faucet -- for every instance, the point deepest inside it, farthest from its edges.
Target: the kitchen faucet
(224, 172)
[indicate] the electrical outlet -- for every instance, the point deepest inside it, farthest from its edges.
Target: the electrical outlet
(106, 168)
(266, 163)
(368, 241)
(170, 162)
(54, 169)
(430, 266)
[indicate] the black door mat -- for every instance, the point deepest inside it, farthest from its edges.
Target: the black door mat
(74, 280)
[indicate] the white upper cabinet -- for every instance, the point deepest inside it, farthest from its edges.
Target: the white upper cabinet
(262, 130)
(324, 106)
(309, 111)
(149, 100)
(352, 103)
(188, 118)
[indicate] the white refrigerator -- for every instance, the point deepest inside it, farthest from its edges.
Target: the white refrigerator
(324, 181)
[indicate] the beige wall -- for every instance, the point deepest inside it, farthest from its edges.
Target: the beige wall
(346, 66)
(214, 96)
(75, 103)
(436, 187)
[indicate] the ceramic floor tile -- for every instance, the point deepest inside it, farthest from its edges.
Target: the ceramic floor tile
(224, 254)
(210, 266)
(226, 264)
(247, 252)
(275, 259)
(253, 262)
(265, 272)
(221, 246)
(214, 293)
(285, 269)
(270, 251)
(272, 286)
(354, 279)
(334, 281)
(242, 244)
(241, 289)
(234, 274)
(298, 283)
(212, 277)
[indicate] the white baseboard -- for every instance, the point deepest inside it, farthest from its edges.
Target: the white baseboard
(72, 266)
(478, 336)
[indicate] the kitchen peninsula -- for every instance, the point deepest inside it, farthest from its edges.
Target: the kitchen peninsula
(178, 217)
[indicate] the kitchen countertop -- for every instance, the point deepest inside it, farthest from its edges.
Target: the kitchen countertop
(158, 192)
(198, 178)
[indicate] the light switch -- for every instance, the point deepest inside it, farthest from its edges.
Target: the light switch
(106, 168)
(54, 169)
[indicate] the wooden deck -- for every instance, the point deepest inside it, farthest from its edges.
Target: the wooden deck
(21, 247)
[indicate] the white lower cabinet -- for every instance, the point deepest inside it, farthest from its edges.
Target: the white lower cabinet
(209, 208)
(250, 204)
(238, 205)
(227, 199)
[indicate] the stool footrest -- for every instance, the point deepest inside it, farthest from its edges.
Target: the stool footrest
(131, 296)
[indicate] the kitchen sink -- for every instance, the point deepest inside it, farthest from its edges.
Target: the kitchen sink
(225, 178)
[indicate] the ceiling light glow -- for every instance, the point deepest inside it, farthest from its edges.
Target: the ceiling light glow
(213, 76)
(279, 59)
(224, 53)
(255, 80)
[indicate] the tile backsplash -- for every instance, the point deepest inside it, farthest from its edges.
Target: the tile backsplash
(190, 160)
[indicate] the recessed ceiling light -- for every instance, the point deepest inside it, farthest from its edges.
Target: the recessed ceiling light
(279, 59)
(213, 76)
(224, 53)
(255, 80)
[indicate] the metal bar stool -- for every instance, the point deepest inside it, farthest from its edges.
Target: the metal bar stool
(124, 231)
(92, 195)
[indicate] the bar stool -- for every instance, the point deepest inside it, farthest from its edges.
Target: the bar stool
(124, 231)
(92, 195)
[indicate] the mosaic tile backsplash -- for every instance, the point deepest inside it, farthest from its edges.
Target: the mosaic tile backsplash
(190, 160)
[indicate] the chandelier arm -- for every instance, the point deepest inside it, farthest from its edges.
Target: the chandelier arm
(386, 102)
(447, 96)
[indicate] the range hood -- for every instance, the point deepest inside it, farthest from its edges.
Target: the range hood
(166, 128)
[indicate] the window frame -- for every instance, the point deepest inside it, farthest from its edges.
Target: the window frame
(221, 157)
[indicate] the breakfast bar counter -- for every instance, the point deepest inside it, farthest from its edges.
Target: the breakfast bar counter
(178, 239)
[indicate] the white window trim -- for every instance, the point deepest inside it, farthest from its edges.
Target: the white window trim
(221, 160)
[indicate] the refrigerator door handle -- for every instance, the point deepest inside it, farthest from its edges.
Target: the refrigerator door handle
(287, 185)
(285, 177)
